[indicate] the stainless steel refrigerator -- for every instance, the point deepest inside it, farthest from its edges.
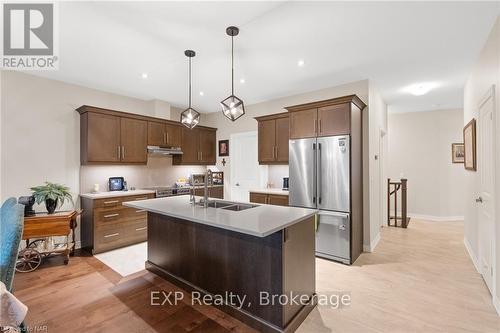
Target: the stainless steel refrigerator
(320, 179)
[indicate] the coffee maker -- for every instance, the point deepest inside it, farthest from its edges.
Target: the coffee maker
(285, 183)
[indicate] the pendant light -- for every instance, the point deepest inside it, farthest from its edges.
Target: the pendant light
(232, 107)
(190, 117)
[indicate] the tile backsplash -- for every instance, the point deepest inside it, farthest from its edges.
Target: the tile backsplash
(276, 174)
(158, 172)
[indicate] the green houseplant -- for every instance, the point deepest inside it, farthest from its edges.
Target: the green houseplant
(53, 194)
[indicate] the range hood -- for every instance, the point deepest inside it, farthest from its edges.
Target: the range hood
(158, 150)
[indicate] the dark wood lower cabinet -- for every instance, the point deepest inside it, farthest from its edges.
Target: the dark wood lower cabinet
(269, 199)
(106, 224)
(216, 261)
(216, 192)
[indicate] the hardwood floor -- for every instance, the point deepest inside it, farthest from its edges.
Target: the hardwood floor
(417, 280)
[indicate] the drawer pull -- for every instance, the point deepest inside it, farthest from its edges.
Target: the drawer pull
(141, 198)
(110, 202)
(140, 229)
(112, 235)
(140, 211)
(111, 215)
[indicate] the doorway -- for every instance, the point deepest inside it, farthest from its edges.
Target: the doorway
(486, 199)
(246, 173)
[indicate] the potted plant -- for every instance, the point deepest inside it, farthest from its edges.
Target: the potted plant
(53, 194)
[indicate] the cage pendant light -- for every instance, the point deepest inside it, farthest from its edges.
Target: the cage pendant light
(232, 106)
(190, 117)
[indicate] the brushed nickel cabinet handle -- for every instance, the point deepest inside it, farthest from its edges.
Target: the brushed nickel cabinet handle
(167, 138)
(111, 215)
(320, 125)
(123, 152)
(141, 198)
(201, 154)
(110, 202)
(140, 229)
(119, 152)
(112, 235)
(140, 211)
(164, 137)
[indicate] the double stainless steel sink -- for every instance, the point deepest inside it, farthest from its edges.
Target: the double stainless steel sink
(228, 205)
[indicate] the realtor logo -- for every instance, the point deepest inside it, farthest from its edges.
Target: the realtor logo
(29, 32)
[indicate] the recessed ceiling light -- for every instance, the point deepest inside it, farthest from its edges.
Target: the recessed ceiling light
(300, 63)
(419, 89)
(144, 75)
(202, 93)
(242, 80)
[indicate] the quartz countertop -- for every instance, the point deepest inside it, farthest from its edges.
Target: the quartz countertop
(113, 194)
(270, 191)
(260, 221)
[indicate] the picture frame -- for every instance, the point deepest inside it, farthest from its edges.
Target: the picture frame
(223, 147)
(469, 134)
(457, 153)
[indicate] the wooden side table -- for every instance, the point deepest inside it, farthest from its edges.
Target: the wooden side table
(41, 226)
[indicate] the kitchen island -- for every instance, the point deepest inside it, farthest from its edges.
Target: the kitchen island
(252, 254)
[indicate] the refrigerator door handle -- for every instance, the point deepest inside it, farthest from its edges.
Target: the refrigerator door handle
(318, 174)
(315, 173)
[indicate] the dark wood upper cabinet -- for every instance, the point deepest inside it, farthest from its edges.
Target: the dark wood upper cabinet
(100, 138)
(173, 135)
(303, 124)
(324, 118)
(115, 137)
(273, 136)
(198, 147)
(266, 138)
(334, 120)
(157, 134)
(134, 140)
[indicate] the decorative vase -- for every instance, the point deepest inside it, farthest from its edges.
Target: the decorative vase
(51, 205)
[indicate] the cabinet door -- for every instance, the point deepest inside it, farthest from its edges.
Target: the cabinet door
(334, 120)
(303, 124)
(103, 138)
(267, 137)
(258, 198)
(173, 135)
(134, 140)
(217, 192)
(278, 200)
(207, 146)
(156, 134)
(190, 153)
(282, 137)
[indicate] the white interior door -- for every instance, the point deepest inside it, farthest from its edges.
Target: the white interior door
(486, 200)
(246, 174)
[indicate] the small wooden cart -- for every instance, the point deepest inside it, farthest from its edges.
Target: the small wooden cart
(38, 233)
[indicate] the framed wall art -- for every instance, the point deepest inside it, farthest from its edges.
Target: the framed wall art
(457, 153)
(470, 145)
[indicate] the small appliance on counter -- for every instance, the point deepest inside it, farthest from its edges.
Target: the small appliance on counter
(28, 203)
(218, 178)
(197, 179)
(117, 184)
(168, 191)
(285, 183)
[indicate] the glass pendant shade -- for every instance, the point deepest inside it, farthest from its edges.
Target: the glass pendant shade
(232, 107)
(190, 117)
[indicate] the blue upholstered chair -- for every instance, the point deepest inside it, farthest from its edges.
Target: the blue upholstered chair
(11, 230)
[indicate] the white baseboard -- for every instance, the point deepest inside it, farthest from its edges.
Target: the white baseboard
(471, 254)
(371, 247)
(78, 245)
(436, 218)
(496, 304)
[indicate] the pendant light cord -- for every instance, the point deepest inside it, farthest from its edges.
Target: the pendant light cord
(190, 82)
(232, 65)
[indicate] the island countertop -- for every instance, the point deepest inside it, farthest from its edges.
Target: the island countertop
(260, 221)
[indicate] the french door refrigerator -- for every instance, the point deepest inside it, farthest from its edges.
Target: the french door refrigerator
(320, 179)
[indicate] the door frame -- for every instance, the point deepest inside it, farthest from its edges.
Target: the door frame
(382, 179)
(490, 94)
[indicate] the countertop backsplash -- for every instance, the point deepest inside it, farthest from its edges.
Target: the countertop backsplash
(158, 172)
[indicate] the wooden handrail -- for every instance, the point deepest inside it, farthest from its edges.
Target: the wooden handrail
(396, 186)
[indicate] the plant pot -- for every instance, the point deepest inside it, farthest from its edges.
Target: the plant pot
(51, 205)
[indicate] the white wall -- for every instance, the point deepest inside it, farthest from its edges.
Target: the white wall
(420, 149)
(485, 73)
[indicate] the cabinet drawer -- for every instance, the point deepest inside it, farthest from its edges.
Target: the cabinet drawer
(104, 217)
(117, 201)
(137, 231)
(110, 235)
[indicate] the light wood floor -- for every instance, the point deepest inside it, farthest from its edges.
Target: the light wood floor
(418, 280)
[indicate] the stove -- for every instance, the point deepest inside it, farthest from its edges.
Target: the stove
(168, 191)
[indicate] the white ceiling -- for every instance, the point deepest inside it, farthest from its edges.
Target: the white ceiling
(109, 45)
